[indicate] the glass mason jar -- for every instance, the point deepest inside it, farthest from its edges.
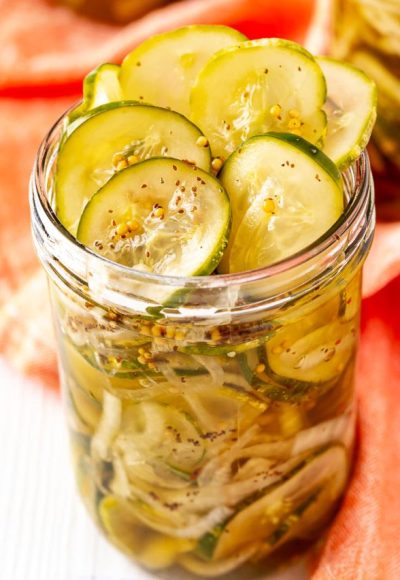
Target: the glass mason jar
(211, 418)
(367, 32)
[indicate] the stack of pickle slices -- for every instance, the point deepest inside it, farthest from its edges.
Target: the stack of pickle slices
(205, 152)
(368, 34)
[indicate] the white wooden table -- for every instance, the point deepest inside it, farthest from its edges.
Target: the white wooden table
(45, 533)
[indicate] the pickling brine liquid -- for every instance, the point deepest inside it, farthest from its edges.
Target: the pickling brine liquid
(367, 33)
(211, 447)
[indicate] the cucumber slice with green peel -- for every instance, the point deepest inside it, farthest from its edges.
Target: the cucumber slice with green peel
(263, 517)
(221, 349)
(297, 393)
(163, 69)
(211, 569)
(96, 374)
(113, 137)
(159, 220)
(159, 433)
(124, 529)
(118, 521)
(248, 362)
(351, 110)
(86, 407)
(305, 358)
(287, 527)
(271, 206)
(100, 86)
(317, 357)
(260, 86)
(82, 417)
(222, 410)
(350, 299)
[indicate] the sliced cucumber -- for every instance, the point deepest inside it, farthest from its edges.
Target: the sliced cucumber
(159, 433)
(120, 524)
(163, 551)
(107, 428)
(290, 391)
(259, 86)
(204, 569)
(124, 529)
(351, 109)
(271, 206)
(89, 379)
(223, 408)
(160, 220)
(221, 349)
(112, 137)
(260, 519)
(86, 407)
(281, 376)
(350, 299)
(183, 365)
(317, 357)
(100, 86)
(289, 525)
(163, 68)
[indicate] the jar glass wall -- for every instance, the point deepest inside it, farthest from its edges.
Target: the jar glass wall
(211, 418)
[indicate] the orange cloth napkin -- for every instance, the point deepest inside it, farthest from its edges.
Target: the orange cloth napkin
(364, 541)
(45, 52)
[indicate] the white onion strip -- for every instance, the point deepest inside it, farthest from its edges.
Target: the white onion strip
(215, 369)
(212, 569)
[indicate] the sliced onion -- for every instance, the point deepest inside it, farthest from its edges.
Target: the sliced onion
(108, 427)
(195, 530)
(207, 421)
(142, 438)
(274, 450)
(238, 380)
(333, 431)
(154, 501)
(139, 394)
(120, 483)
(215, 369)
(218, 568)
(218, 469)
(232, 494)
(158, 478)
(252, 468)
(142, 448)
(170, 375)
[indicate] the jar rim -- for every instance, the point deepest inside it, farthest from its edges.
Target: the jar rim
(356, 205)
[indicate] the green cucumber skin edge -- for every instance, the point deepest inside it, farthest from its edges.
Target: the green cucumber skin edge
(300, 144)
(209, 266)
(347, 159)
(136, 52)
(273, 43)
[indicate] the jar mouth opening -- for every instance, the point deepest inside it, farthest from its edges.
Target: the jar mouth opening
(357, 185)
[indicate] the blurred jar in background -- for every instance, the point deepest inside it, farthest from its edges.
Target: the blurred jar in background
(367, 32)
(118, 11)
